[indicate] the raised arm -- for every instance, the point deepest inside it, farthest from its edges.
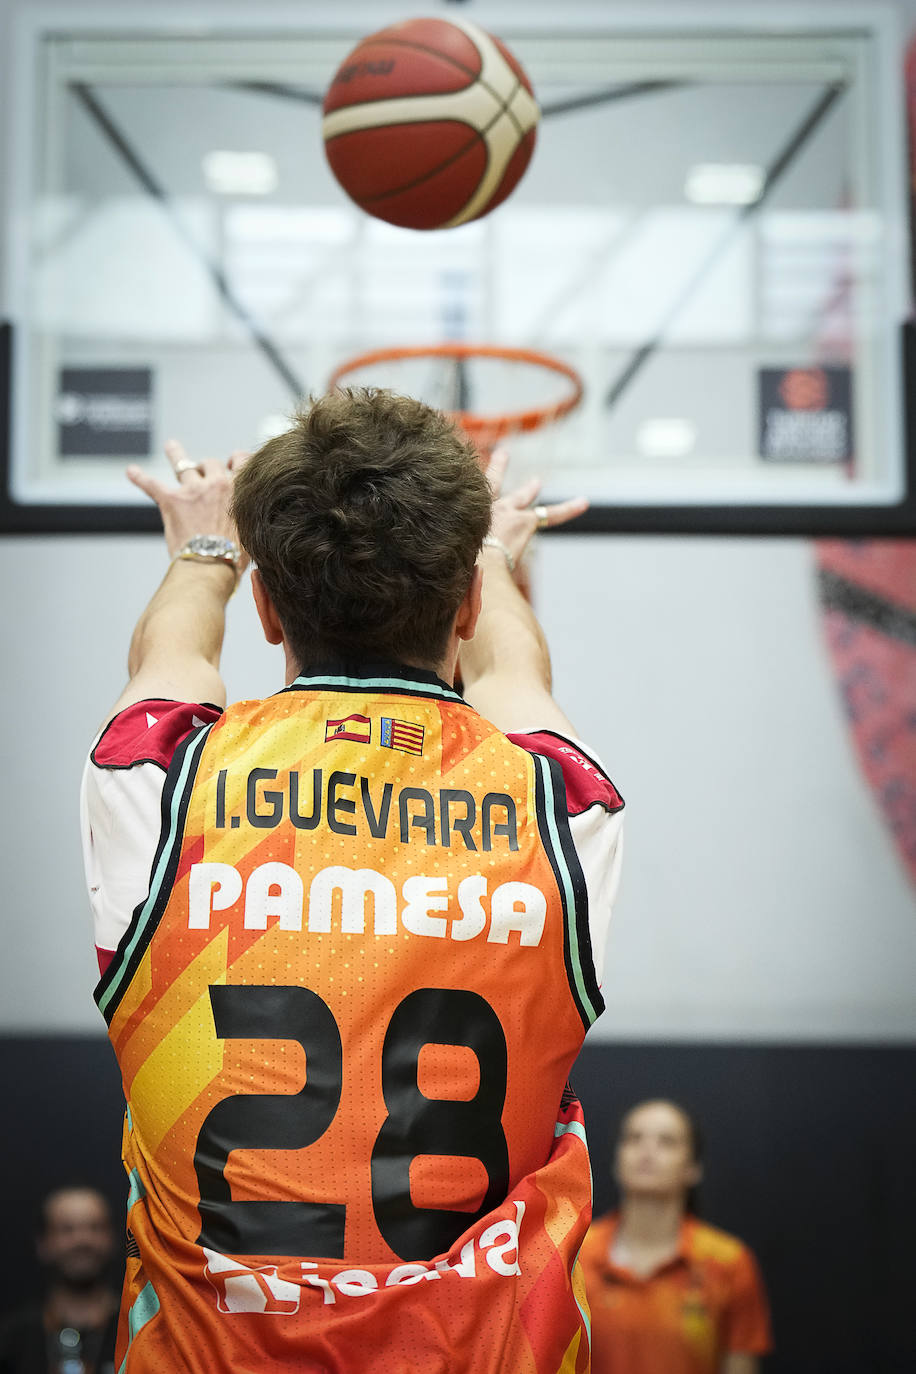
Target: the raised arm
(175, 648)
(506, 666)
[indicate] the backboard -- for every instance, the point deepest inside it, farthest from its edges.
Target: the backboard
(711, 233)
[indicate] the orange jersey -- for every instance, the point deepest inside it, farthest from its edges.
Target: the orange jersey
(344, 1017)
(682, 1319)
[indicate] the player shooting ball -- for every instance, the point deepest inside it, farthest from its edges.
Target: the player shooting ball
(346, 971)
(350, 934)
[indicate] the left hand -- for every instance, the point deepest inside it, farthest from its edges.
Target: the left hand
(199, 504)
(515, 517)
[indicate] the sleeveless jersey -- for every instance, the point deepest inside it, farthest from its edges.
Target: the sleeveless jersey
(344, 1017)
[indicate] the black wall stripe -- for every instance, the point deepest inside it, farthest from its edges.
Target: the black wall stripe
(809, 1159)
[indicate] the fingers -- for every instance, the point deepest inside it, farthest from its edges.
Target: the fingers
(175, 451)
(565, 510)
(147, 484)
(186, 469)
(525, 494)
(496, 469)
(181, 463)
(188, 474)
(212, 467)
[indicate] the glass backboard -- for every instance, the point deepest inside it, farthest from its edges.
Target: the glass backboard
(711, 233)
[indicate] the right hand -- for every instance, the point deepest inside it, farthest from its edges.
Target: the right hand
(199, 503)
(514, 518)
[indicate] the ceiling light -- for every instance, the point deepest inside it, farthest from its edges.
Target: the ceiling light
(666, 438)
(724, 183)
(240, 174)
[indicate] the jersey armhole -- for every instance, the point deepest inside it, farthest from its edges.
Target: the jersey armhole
(585, 780)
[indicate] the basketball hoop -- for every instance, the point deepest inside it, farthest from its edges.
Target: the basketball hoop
(470, 383)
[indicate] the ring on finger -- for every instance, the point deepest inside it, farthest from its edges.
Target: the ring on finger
(542, 516)
(185, 465)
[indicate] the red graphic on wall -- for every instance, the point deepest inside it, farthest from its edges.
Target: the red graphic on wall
(868, 590)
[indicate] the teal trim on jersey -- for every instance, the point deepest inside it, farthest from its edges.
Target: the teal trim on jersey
(583, 1311)
(570, 901)
(570, 1128)
(144, 1308)
(137, 1190)
(366, 684)
(130, 1120)
(188, 769)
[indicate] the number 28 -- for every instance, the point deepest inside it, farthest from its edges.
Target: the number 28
(415, 1125)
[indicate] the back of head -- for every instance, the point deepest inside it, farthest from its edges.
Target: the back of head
(365, 520)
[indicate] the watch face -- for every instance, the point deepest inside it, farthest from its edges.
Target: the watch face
(213, 546)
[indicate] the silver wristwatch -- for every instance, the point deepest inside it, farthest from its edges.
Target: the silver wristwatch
(212, 548)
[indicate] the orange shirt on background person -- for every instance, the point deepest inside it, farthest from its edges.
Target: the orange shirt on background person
(683, 1318)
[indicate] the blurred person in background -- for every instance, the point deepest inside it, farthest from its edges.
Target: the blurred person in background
(73, 1331)
(669, 1294)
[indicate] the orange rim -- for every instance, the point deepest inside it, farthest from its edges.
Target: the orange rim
(480, 427)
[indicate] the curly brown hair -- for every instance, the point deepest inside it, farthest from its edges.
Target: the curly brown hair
(365, 520)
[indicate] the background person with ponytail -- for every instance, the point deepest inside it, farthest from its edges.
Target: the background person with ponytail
(668, 1293)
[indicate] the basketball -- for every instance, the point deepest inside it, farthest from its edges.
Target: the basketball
(429, 123)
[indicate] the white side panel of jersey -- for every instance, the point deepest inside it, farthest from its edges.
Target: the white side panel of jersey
(598, 837)
(120, 823)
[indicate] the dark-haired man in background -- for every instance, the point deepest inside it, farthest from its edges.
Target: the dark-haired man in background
(73, 1331)
(367, 923)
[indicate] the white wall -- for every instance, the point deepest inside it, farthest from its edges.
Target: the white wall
(762, 896)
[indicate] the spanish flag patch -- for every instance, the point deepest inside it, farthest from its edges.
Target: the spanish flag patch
(358, 728)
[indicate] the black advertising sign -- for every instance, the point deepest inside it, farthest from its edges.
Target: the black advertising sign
(104, 412)
(806, 414)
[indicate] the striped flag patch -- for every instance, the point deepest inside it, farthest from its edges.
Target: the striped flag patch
(357, 728)
(403, 735)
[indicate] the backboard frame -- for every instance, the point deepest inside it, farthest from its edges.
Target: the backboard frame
(893, 519)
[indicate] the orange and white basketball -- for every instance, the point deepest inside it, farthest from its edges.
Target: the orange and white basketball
(429, 123)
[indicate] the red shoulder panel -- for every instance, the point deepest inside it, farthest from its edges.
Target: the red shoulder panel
(149, 732)
(586, 784)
